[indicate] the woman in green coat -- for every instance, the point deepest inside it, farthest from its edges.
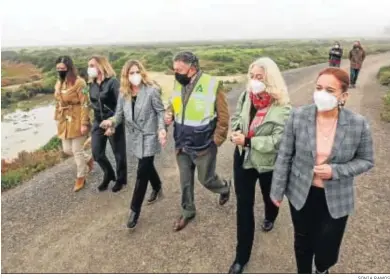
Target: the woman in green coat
(257, 127)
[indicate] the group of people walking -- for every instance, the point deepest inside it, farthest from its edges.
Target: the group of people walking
(356, 57)
(310, 154)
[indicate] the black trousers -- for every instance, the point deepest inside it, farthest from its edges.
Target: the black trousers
(316, 234)
(146, 172)
(118, 145)
(245, 185)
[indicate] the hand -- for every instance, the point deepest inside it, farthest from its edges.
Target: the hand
(105, 124)
(162, 137)
(238, 138)
(276, 203)
(109, 132)
(323, 171)
(168, 118)
(84, 129)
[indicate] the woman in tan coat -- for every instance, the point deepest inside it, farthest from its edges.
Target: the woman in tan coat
(72, 116)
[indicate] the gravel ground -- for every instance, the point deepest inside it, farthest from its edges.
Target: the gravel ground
(46, 228)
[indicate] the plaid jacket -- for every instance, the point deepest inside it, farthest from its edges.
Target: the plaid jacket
(352, 154)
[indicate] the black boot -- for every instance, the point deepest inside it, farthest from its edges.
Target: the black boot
(267, 225)
(224, 198)
(133, 219)
(104, 185)
(236, 268)
(154, 196)
(118, 186)
(325, 272)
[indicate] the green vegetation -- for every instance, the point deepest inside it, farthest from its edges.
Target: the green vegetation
(27, 164)
(26, 92)
(384, 79)
(218, 58)
(225, 58)
(35, 68)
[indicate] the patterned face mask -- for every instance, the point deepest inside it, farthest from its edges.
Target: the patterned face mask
(260, 100)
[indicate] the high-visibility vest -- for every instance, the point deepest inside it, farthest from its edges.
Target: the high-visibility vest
(200, 108)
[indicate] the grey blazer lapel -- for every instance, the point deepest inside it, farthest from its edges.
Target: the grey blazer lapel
(341, 128)
(141, 97)
(312, 131)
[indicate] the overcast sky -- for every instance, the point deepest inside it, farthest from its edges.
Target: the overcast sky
(45, 22)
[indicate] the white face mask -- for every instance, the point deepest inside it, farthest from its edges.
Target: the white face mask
(257, 86)
(92, 72)
(135, 79)
(336, 46)
(325, 101)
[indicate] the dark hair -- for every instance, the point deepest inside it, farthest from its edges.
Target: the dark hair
(341, 75)
(71, 75)
(188, 58)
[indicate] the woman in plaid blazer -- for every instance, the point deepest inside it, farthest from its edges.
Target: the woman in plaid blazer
(323, 148)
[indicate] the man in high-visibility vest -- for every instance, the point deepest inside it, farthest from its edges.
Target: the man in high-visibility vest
(199, 110)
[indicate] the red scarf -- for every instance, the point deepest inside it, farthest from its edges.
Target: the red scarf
(261, 102)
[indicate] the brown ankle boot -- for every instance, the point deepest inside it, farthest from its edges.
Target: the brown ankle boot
(90, 165)
(80, 182)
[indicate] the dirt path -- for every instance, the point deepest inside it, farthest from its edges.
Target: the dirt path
(48, 228)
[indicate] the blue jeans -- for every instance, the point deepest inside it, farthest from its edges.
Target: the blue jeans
(354, 75)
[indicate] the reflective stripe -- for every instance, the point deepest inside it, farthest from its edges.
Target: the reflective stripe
(196, 123)
(211, 98)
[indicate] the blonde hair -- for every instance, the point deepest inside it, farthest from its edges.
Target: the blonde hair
(104, 66)
(125, 88)
(276, 86)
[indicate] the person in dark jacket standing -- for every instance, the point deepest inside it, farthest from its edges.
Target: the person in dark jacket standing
(356, 56)
(335, 55)
(104, 92)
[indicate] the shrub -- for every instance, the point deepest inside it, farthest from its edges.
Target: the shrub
(384, 79)
(27, 164)
(385, 113)
(384, 75)
(53, 144)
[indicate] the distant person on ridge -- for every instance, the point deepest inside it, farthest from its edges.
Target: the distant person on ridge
(72, 116)
(356, 57)
(103, 93)
(335, 55)
(141, 108)
(199, 110)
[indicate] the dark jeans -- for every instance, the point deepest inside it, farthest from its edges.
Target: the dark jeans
(316, 234)
(245, 185)
(354, 75)
(118, 145)
(146, 172)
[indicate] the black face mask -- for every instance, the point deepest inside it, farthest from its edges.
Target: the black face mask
(183, 79)
(62, 74)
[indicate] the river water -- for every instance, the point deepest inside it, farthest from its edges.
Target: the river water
(26, 130)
